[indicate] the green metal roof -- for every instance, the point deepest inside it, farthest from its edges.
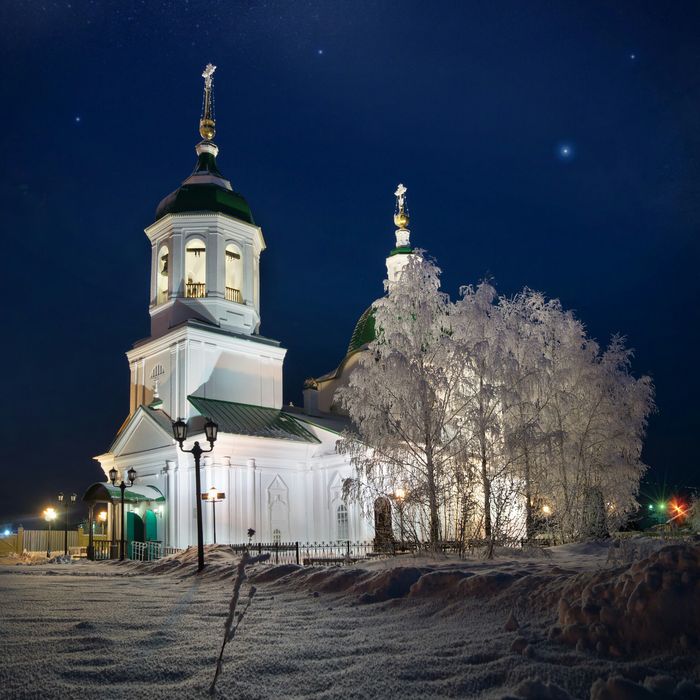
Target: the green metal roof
(205, 197)
(132, 494)
(206, 190)
(364, 331)
(403, 249)
(256, 421)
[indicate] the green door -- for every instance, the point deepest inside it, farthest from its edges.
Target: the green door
(151, 525)
(134, 530)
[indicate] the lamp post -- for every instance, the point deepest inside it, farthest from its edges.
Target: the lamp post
(131, 475)
(214, 496)
(211, 430)
(50, 516)
(64, 500)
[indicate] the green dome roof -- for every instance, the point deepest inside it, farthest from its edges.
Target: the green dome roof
(364, 331)
(206, 190)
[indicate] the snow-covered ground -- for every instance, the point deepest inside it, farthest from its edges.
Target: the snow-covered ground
(401, 627)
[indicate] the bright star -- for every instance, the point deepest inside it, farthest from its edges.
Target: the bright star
(633, 56)
(320, 52)
(565, 151)
(77, 120)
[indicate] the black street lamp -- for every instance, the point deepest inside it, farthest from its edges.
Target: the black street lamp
(211, 430)
(131, 475)
(213, 496)
(64, 500)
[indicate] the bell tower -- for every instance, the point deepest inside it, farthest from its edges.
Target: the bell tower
(205, 293)
(205, 246)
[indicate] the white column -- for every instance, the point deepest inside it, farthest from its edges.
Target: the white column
(176, 264)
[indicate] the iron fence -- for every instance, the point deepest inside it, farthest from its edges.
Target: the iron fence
(338, 553)
(100, 550)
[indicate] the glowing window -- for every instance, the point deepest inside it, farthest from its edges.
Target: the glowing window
(195, 268)
(234, 273)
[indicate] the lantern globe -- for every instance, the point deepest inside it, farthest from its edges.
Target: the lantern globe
(211, 430)
(180, 430)
(60, 497)
(131, 474)
(112, 475)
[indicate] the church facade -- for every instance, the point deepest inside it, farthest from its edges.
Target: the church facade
(276, 466)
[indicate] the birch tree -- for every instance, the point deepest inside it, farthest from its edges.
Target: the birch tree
(401, 398)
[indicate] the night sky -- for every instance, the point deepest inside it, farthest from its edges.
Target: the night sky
(553, 145)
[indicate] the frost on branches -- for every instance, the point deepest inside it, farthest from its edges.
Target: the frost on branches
(492, 417)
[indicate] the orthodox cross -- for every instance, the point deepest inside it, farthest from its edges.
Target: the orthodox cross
(400, 197)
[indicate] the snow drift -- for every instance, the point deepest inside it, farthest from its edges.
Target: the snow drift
(649, 605)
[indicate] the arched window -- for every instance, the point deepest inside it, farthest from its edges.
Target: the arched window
(276, 536)
(162, 281)
(341, 515)
(195, 269)
(234, 273)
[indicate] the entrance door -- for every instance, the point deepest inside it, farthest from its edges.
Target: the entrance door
(383, 534)
(134, 530)
(151, 526)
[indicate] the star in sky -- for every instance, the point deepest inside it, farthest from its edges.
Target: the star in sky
(565, 151)
(320, 52)
(77, 119)
(633, 57)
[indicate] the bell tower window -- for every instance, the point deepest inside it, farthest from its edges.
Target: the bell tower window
(195, 269)
(234, 273)
(162, 283)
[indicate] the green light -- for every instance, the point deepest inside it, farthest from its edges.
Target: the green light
(662, 506)
(651, 506)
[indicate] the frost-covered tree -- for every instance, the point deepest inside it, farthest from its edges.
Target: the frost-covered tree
(480, 409)
(479, 338)
(401, 395)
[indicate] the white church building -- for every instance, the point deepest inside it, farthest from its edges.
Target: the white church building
(277, 466)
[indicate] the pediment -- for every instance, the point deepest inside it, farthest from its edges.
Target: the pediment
(141, 434)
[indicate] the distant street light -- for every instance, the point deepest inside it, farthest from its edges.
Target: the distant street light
(211, 430)
(49, 516)
(131, 475)
(547, 511)
(64, 500)
(213, 496)
(400, 496)
(102, 517)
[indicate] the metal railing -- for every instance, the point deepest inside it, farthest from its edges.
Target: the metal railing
(195, 290)
(310, 553)
(150, 551)
(233, 294)
(100, 550)
(336, 553)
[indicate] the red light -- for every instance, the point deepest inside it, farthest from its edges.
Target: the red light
(679, 509)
